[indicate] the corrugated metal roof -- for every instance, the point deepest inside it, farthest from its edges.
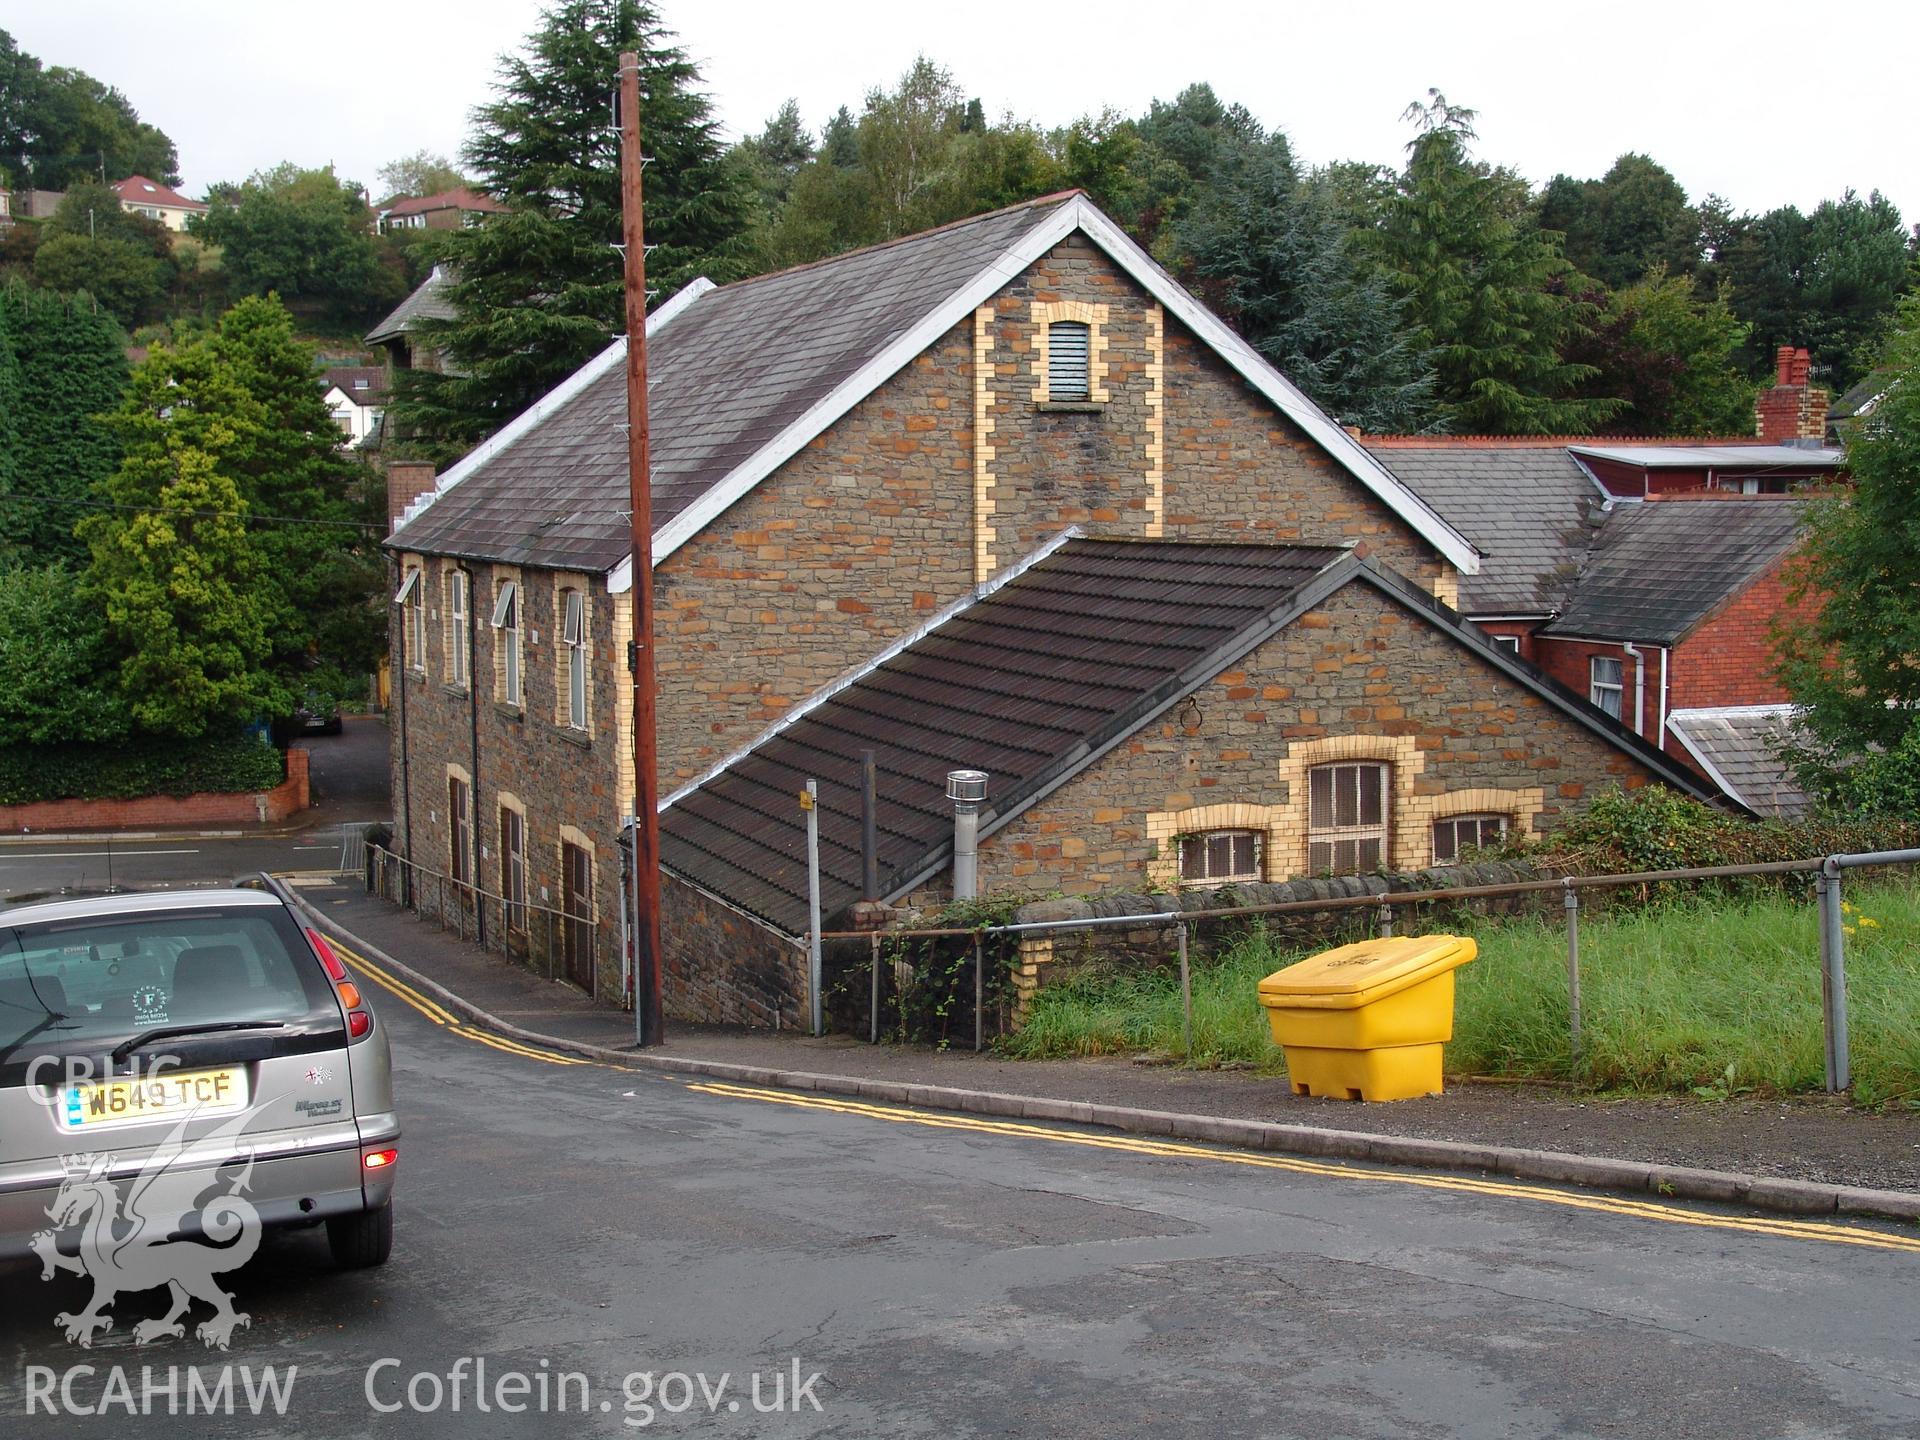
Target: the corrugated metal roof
(1739, 746)
(1659, 568)
(1023, 684)
(1694, 457)
(731, 373)
(1525, 508)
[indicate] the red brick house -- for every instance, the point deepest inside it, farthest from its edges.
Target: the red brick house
(849, 456)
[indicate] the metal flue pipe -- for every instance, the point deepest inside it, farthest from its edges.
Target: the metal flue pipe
(966, 788)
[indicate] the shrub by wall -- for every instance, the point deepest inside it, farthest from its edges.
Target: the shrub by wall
(33, 773)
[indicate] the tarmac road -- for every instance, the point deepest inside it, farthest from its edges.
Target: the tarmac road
(349, 778)
(954, 1275)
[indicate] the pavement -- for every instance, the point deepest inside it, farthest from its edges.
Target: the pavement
(1814, 1158)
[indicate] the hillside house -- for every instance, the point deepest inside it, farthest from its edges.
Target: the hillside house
(848, 459)
(158, 202)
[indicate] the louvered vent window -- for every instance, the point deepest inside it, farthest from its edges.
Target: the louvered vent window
(1067, 344)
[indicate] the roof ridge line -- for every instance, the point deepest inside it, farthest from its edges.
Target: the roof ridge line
(1057, 197)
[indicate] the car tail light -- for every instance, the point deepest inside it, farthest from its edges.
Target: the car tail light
(359, 1019)
(379, 1159)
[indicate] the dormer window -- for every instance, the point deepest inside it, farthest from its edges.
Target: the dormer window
(1068, 347)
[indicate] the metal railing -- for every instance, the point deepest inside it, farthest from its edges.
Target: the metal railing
(1826, 872)
(524, 929)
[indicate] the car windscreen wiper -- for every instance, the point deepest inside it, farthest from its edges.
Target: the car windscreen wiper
(168, 1032)
(54, 1017)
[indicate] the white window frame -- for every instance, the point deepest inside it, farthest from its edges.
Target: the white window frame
(506, 644)
(1206, 847)
(460, 856)
(1332, 832)
(513, 868)
(459, 600)
(573, 645)
(413, 617)
(1055, 392)
(1508, 643)
(1451, 824)
(1600, 692)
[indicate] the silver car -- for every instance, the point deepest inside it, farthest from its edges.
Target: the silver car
(191, 1066)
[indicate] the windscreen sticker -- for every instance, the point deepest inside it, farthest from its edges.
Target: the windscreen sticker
(150, 1005)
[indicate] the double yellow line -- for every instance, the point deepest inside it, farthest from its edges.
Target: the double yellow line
(440, 1015)
(1826, 1231)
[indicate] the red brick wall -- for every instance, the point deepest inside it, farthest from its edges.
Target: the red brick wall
(1729, 659)
(158, 811)
(1570, 662)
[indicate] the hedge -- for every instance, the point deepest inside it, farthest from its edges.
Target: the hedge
(136, 768)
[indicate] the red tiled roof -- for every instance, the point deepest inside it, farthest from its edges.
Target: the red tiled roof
(138, 190)
(461, 199)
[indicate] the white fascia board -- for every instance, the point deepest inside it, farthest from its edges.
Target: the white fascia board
(1782, 710)
(1282, 392)
(853, 677)
(1712, 770)
(553, 401)
(1045, 234)
(1076, 214)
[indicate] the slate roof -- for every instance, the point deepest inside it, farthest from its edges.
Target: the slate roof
(1025, 684)
(1736, 745)
(1032, 683)
(1659, 568)
(723, 379)
(428, 302)
(363, 384)
(1525, 508)
(741, 377)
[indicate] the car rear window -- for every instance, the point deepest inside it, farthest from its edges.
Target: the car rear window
(81, 985)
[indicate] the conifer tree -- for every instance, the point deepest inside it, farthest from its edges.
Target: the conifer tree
(1480, 282)
(538, 290)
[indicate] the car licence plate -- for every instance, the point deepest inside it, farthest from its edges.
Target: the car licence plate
(94, 1105)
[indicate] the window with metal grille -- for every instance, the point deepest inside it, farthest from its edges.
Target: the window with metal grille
(573, 645)
(1605, 681)
(1067, 353)
(457, 637)
(506, 643)
(513, 867)
(1219, 857)
(1463, 832)
(1347, 818)
(459, 830)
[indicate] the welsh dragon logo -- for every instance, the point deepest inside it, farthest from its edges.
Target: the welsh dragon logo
(126, 1239)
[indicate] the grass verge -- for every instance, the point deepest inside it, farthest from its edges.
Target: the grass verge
(1716, 998)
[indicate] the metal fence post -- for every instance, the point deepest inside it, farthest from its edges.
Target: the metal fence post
(1571, 902)
(979, 986)
(1386, 918)
(1186, 993)
(873, 1005)
(1833, 977)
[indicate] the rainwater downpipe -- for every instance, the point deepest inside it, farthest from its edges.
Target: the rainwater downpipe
(1661, 739)
(1639, 687)
(966, 788)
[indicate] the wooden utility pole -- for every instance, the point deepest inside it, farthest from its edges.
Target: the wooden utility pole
(648, 992)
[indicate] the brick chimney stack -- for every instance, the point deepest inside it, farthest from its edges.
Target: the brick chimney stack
(407, 481)
(1794, 409)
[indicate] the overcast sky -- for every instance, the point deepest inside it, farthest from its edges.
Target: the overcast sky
(1767, 104)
